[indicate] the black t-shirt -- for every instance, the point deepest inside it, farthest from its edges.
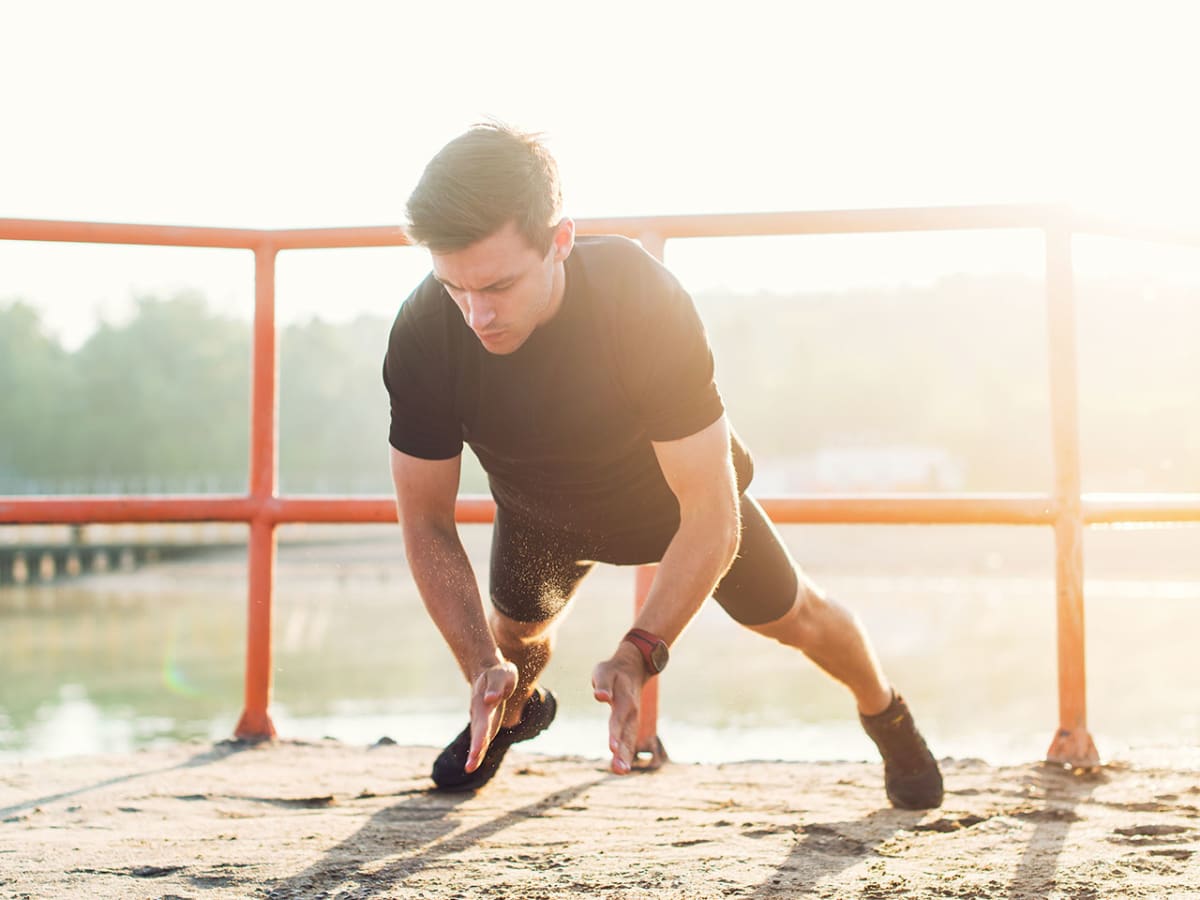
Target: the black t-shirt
(563, 425)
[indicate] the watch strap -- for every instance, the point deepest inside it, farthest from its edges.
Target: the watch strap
(647, 643)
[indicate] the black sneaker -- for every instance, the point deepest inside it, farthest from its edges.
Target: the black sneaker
(910, 773)
(449, 772)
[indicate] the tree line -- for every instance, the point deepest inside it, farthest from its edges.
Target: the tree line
(161, 402)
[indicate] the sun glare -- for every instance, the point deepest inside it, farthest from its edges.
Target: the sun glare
(1031, 103)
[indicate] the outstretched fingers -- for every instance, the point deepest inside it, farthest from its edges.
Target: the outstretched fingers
(613, 686)
(491, 690)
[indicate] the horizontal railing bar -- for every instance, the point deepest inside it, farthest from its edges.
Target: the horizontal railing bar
(117, 233)
(911, 509)
(111, 510)
(336, 238)
(1114, 509)
(470, 509)
(897, 509)
(701, 225)
(44, 510)
(827, 509)
(759, 224)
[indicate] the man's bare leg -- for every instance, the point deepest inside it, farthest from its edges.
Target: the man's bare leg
(833, 638)
(527, 645)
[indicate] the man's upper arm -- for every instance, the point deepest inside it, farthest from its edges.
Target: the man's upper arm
(426, 489)
(698, 468)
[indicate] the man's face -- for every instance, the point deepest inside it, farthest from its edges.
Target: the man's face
(503, 287)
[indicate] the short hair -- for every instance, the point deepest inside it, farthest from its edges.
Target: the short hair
(485, 178)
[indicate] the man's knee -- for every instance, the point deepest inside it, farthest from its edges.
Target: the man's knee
(513, 632)
(798, 626)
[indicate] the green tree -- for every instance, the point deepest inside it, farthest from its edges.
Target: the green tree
(164, 399)
(333, 416)
(333, 410)
(34, 376)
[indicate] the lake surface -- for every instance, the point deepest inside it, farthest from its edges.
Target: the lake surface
(962, 618)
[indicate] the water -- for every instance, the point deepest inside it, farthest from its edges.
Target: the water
(962, 618)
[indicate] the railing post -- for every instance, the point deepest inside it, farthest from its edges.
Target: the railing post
(650, 751)
(648, 741)
(1072, 743)
(255, 723)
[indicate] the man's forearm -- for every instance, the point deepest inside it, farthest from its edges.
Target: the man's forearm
(700, 553)
(447, 585)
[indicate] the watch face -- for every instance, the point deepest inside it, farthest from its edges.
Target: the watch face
(659, 656)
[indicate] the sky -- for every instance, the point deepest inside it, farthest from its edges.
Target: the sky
(272, 114)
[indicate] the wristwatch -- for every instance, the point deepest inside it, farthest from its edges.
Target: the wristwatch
(653, 649)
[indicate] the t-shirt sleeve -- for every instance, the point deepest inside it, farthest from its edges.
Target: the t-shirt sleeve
(672, 365)
(418, 375)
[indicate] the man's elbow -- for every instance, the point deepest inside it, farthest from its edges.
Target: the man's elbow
(712, 518)
(427, 541)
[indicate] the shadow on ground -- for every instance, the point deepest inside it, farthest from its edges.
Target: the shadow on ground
(215, 753)
(349, 866)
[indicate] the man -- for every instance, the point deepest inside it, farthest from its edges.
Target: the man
(580, 374)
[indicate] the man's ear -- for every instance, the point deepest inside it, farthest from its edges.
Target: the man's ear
(563, 241)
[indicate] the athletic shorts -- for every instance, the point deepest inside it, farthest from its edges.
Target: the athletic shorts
(536, 570)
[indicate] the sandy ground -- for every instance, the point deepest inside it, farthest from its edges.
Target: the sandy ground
(326, 820)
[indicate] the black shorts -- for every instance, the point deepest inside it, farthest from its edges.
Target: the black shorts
(535, 570)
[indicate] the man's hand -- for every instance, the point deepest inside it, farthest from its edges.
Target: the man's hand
(491, 690)
(618, 682)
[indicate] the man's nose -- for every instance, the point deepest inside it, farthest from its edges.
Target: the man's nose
(480, 313)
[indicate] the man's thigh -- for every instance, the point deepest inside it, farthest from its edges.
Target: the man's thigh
(761, 584)
(534, 571)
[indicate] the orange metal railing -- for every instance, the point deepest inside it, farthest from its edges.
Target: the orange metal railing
(1064, 508)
